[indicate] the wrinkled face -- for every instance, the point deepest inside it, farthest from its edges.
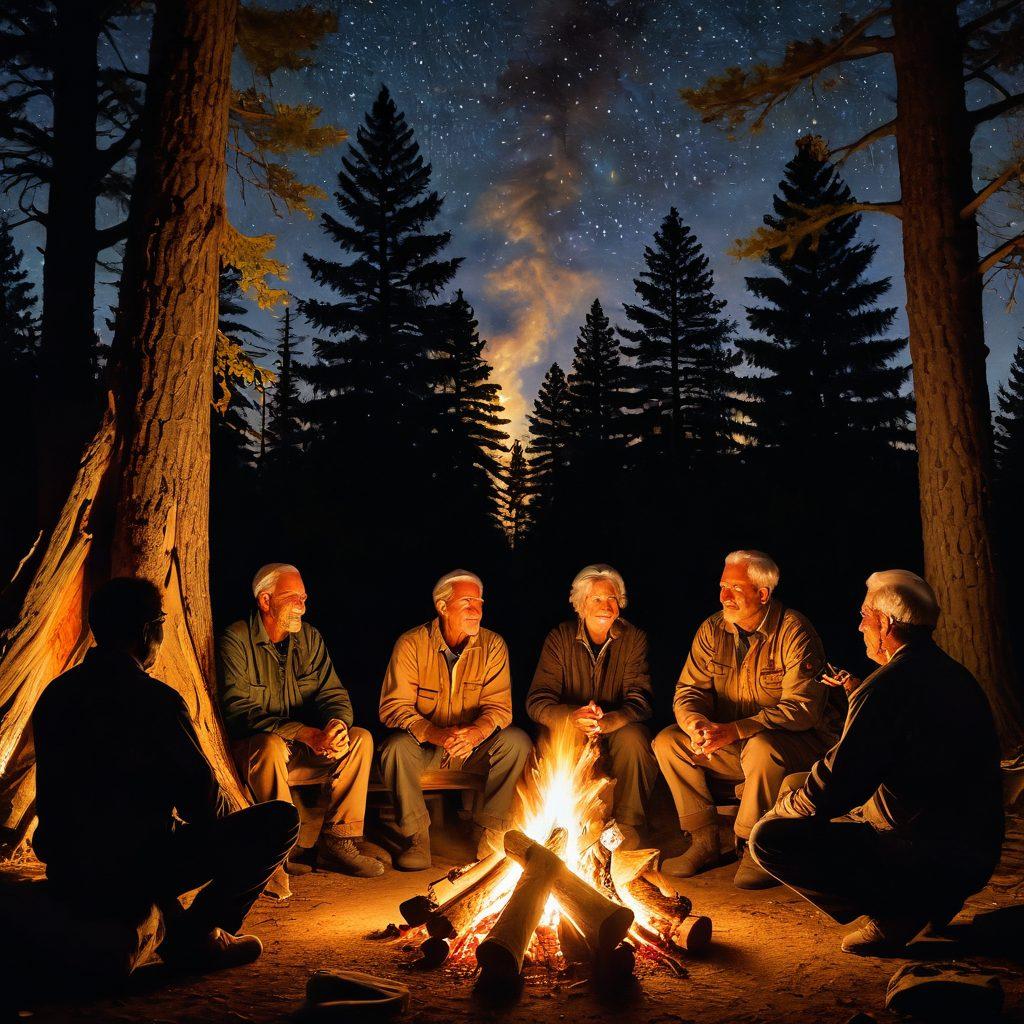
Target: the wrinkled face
(742, 602)
(286, 603)
(873, 627)
(601, 607)
(462, 612)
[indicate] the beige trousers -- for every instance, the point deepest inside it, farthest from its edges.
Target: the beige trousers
(760, 763)
(270, 765)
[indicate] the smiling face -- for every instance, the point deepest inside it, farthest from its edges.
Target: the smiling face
(743, 604)
(462, 613)
(283, 607)
(600, 609)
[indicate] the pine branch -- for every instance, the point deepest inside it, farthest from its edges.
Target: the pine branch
(1004, 106)
(998, 255)
(881, 132)
(787, 239)
(982, 197)
(737, 93)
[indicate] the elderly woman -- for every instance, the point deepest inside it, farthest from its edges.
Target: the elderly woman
(902, 819)
(593, 672)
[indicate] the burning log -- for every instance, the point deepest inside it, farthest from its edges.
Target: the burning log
(416, 910)
(435, 952)
(456, 882)
(466, 905)
(501, 953)
(601, 923)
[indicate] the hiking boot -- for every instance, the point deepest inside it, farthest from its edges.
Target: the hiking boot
(299, 860)
(216, 950)
(882, 936)
(750, 874)
(703, 853)
(341, 854)
(488, 841)
(416, 856)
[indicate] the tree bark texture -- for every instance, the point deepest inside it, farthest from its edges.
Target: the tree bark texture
(150, 460)
(66, 399)
(947, 348)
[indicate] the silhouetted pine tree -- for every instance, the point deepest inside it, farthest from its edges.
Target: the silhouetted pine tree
(372, 405)
(1009, 426)
(284, 431)
(597, 394)
(682, 376)
(551, 448)
(516, 513)
(19, 341)
(829, 377)
(469, 437)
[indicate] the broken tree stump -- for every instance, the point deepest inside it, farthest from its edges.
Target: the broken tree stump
(501, 953)
(602, 923)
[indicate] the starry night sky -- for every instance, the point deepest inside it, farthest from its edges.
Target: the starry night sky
(559, 150)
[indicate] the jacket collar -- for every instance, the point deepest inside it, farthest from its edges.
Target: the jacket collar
(438, 642)
(258, 631)
(614, 632)
(769, 624)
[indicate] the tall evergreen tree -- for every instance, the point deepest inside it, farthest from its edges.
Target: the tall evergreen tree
(829, 378)
(516, 513)
(1009, 427)
(372, 379)
(597, 391)
(19, 329)
(284, 429)
(551, 445)
(469, 438)
(680, 343)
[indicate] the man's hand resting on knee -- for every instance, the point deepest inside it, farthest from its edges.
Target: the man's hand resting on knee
(332, 741)
(710, 736)
(456, 740)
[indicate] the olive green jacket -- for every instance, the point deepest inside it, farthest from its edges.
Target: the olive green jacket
(776, 687)
(257, 696)
(419, 691)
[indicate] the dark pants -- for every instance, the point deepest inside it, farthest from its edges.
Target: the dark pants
(232, 857)
(848, 868)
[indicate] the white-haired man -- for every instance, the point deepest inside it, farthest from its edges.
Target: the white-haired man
(447, 699)
(289, 718)
(749, 710)
(896, 821)
(593, 673)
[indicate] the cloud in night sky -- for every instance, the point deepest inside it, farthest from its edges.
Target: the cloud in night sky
(559, 91)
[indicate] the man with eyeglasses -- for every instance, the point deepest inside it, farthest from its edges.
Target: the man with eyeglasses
(447, 699)
(592, 675)
(290, 719)
(130, 811)
(750, 709)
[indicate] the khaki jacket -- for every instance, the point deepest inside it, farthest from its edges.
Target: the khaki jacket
(568, 675)
(418, 690)
(776, 687)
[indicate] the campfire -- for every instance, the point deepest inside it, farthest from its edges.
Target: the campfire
(561, 894)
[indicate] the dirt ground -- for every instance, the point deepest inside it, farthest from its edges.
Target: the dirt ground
(773, 959)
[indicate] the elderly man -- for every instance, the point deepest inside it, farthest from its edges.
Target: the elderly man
(898, 821)
(290, 719)
(130, 811)
(749, 709)
(447, 697)
(593, 673)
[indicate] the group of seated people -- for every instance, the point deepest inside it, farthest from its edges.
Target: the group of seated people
(887, 818)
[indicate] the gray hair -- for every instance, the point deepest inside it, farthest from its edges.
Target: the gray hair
(585, 580)
(904, 597)
(761, 568)
(446, 584)
(266, 578)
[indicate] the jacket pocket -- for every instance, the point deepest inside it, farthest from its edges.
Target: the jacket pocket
(426, 701)
(469, 693)
(771, 679)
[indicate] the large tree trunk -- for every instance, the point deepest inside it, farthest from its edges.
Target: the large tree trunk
(947, 347)
(147, 471)
(66, 398)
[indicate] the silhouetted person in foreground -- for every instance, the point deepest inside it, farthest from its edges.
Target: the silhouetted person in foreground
(902, 819)
(130, 812)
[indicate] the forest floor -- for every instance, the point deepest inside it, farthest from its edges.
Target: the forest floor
(773, 959)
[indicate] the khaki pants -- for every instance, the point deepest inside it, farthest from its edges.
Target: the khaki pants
(760, 763)
(501, 757)
(270, 765)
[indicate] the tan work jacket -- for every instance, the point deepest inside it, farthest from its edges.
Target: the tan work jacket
(419, 691)
(776, 686)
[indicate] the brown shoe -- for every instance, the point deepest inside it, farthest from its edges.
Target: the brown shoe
(488, 841)
(703, 853)
(883, 936)
(341, 854)
(216, 950)
(300, 860)
(416, 856)
(750, 875)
